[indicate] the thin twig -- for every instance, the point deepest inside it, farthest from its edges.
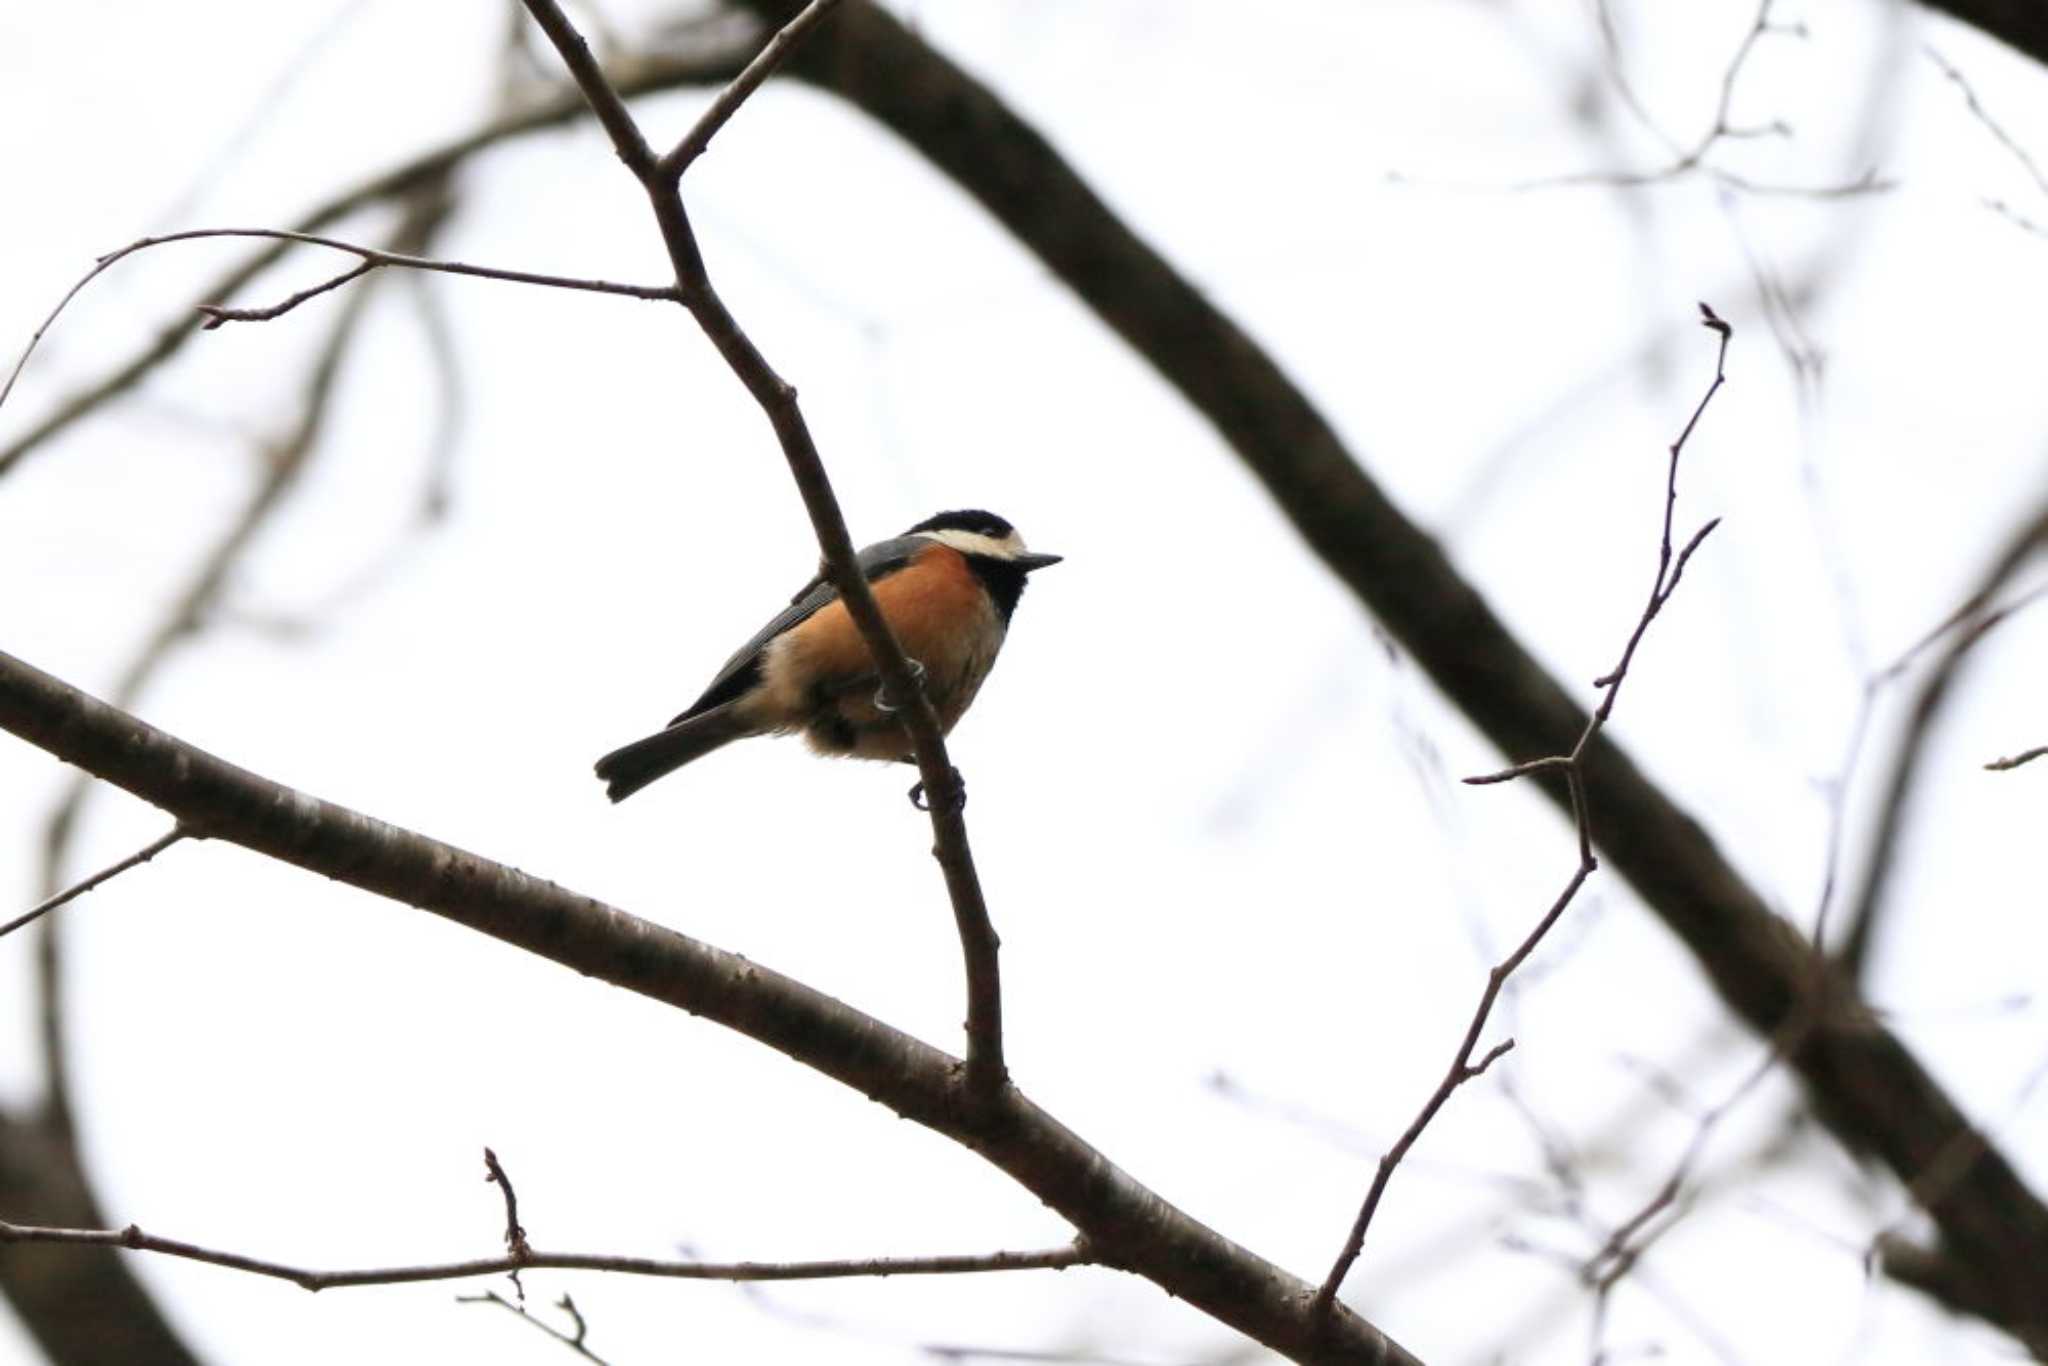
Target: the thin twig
(642, 76)
(1962, 630)
(283, 462)
(112, 870)
(573, 1340)
(693, 144)
(1983, 116)
(515, 1236)
(216, 314)
(1670, 568)
(1624, 1246)
(373, 258)
(2025, 756)
(134, 1239)
(1694, 160)
(986, 1073)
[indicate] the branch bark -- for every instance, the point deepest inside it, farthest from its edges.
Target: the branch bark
(1125, 1224)
(2020, 24)
(660, 178)
(527, 1258)
(1867, 1087)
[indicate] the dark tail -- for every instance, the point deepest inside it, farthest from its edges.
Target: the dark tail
(627, 770)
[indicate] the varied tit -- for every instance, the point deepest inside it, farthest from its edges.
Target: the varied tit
(947, 587)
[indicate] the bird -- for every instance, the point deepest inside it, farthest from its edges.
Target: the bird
(947, 588)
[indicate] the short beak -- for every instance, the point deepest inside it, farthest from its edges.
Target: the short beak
(1029, 562)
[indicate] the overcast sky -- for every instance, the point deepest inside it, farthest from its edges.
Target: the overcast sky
(1217, 818)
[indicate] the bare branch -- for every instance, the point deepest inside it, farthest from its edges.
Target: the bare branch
(112, 870)
(643, 76)
(1695, 159)
(574, 1340)
(1625, 1245)
(986, 1072)
(1462, 1068)
(678, 159)
(598, 92)
(42, 1152)
(1962, 630)
(2025, 756)
(135, 1240)
(372, 258)
(216, 314)
(1870, 1090)
(515, 1236)
(1983, 116)
(1125, 1225)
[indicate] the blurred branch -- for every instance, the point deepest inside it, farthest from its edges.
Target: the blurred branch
(371, 258)
(1123, 1224)
(1670, 570)
(660, 178)
(112, 870)
(1875, 1094)
(640, 76)
(77, 1304)
(1940, 1276)
(99, 1277)
(2025, 756)
(2020, 24)
(1964, 627)
(134, 1239)
(574, 1340)
(1693, 159)
(1983, 116)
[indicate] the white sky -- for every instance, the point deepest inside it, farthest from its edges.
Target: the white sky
(1255, 863)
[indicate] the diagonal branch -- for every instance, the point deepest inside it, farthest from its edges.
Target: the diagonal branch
(2020, 24)
(1462, 1068)
(986, 1073)
(106, 874)
(1124, 1224)
(1965, 628)
(1870, 1090)
(677, 160)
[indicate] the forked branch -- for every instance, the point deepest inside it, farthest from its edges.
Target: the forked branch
(1670, 567)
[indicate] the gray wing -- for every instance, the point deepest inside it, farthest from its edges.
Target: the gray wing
(743, 670)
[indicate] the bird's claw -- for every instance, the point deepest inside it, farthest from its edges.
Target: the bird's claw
(882, 702)
(917, 794)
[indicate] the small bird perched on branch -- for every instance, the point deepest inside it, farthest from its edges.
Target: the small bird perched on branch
(946, 587)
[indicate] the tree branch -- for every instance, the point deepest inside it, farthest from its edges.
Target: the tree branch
(1125, 1225)
(639, 77)
(1965, 627)
(1462, 1068)
(986, 1073)
(533, 1259)
(2012, 761)
(1870, 1090)
(372, 258)
(2020, 24)
(677, 160)
(112, 870)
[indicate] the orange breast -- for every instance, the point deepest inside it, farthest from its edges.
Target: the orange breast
(940, 615)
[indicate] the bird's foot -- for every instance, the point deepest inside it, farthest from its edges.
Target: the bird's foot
(917, 797)
(882, 702)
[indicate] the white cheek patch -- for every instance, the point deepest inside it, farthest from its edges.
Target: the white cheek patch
(979, 543)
